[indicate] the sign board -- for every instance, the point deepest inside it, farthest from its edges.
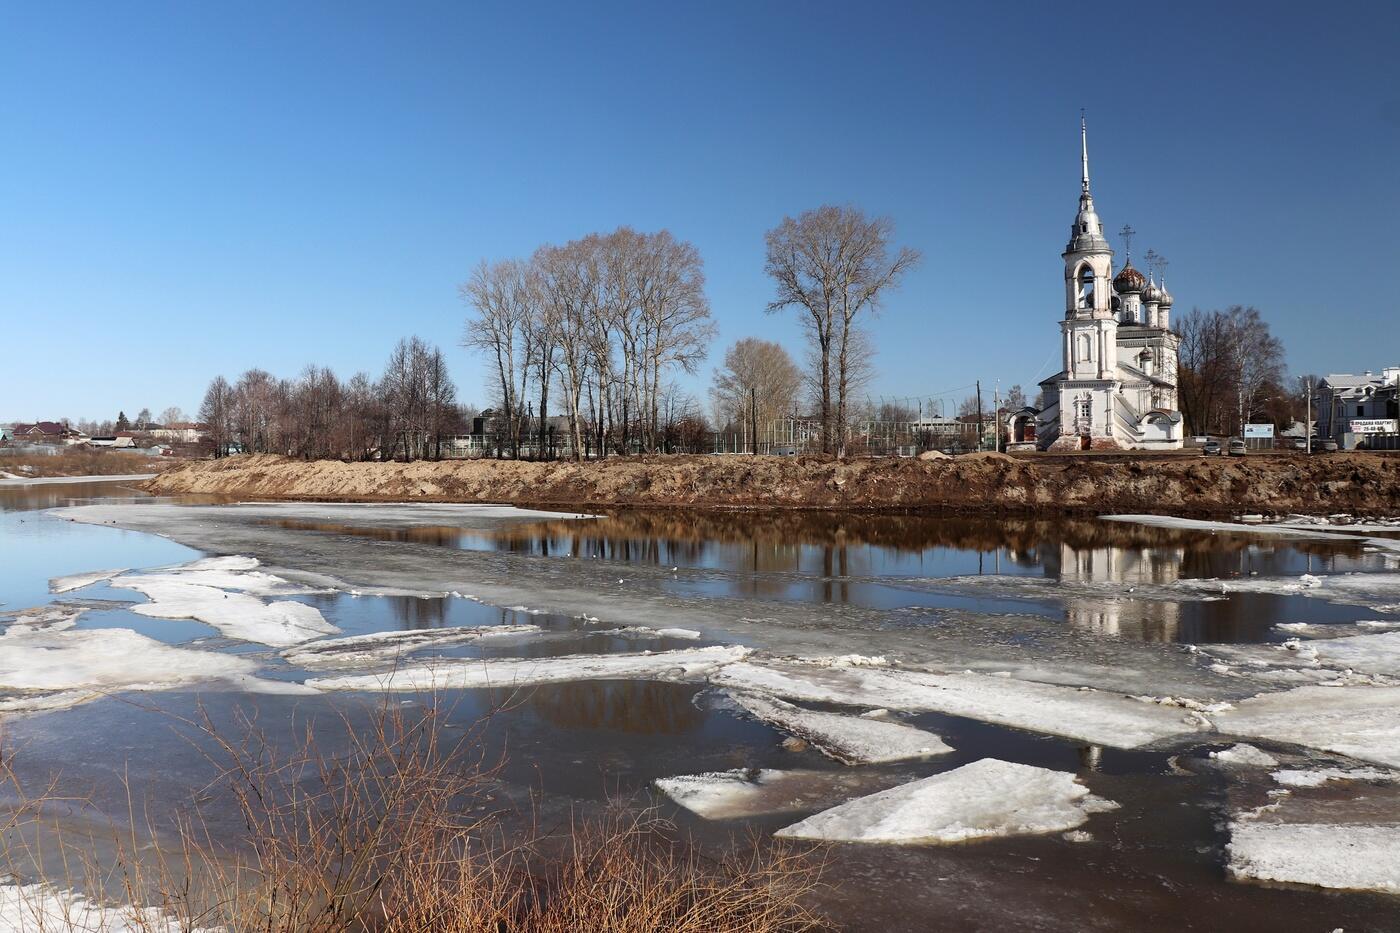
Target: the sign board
(1373, 426)
(1259, 430)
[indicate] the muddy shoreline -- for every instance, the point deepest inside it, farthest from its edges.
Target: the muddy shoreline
(986, 483)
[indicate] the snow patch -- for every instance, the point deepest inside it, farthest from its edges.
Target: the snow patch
(848, 739)
(40, 619)
(691, 664)
(1320, 776)
(1348, 856)
(985, 799)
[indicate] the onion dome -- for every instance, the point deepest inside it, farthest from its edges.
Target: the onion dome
(1128, 280)
(1165, 297)
(1151, 293)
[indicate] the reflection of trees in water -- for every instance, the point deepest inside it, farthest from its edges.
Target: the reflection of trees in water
(414, 612)
(645, 707)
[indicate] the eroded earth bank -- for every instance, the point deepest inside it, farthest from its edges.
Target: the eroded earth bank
(1357, 483)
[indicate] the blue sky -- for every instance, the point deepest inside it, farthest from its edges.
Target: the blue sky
(193, 188)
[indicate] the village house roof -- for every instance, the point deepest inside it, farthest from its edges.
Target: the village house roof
(43, 428)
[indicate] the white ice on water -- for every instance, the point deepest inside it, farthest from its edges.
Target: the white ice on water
(1244, 756)
(1088, 715)
(41, 908)
(985, 799)
(236, 615)
(1316, 777)
(749, 792)
(687, 665)
(40, 619)
(1330, 855)
(77, 581)
(849, 739)
(49, 670)
(1357, 721)
(379, 647)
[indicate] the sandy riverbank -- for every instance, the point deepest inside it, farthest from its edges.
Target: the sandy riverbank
(1357, 483)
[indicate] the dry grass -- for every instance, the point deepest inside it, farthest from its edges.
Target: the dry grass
(81, 461)
(397, 832)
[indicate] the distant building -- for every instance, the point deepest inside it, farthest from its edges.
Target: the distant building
(1117, 389)
(179, 432)
(47, 432)
(117, 441)
(1349, 407)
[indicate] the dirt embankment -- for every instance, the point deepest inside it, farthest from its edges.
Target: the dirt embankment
(1345, 482)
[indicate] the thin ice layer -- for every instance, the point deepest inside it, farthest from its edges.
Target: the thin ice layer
(1329, 855)
(77, 581)
(379, 647)
(236, 615)
(690, 664)
(48, 670)
(1358, 721)
(225, 573)
(750, 792)
(849, 739)
(985, 799)
(1088, 715)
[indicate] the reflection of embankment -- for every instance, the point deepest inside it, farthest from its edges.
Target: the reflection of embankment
(1360, 483)
(641, 707)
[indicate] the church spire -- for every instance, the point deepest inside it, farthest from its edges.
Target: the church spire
(1084, 151)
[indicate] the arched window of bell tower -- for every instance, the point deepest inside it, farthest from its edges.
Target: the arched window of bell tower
(1085, 279)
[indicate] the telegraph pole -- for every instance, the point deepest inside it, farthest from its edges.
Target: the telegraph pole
(1307, 425)
(979, 414)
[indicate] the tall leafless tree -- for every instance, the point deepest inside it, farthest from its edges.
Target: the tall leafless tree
(835, 264)
(757, 373)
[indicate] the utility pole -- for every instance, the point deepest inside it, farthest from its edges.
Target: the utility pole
(979, 414)
(996, 415)
(1307, 424)
(753, 420)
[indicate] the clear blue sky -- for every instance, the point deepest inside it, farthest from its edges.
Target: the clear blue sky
(197, 188)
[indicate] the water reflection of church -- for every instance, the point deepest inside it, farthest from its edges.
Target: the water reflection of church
(1119, 569)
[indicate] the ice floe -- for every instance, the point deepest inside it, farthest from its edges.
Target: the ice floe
(1330, 855)
(50, 670)
(690, 664)
(225, 573)
(749, 792)
(236, 615)
(643, 631)
(77, 581)
(985, 799)
(1244, 756)
(40, 619)
(1377, 654)
(1357, 721)
(380, 647)
(1078, 713)
(41, 908)
(1316, 777)
(849, 739)
(1284, 530)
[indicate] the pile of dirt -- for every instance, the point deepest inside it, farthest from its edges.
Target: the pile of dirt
(1359, 483)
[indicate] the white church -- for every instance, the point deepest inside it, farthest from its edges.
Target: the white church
(1117, 390)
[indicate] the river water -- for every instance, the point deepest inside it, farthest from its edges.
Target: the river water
(1085, 603)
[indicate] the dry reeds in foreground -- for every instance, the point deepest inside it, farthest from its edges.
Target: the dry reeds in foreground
(394, 832)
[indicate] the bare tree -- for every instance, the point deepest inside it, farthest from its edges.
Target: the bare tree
(834, 263)
(217, 411)
(757, 372)
(501, 295)
(1228, 360)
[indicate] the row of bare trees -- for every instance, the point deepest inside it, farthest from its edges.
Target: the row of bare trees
(404, 414)
(605, 320)
(1231, 372)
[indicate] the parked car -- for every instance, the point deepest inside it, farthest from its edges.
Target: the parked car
(1237, 447)
(1324, 445)
(1298, 443)
(1211, 448)
(785, 451)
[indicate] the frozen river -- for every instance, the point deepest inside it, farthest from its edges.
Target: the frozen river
(996, 724)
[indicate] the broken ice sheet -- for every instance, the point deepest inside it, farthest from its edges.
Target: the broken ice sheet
(687, 665)
(985, 799)
(1244, 756)
(750, 792)
(77, 581)
(848, 739)
(1329, 855)
(235, 615)
(1093, 716)
(54, 669)
(382, 647)
(1358, 721)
